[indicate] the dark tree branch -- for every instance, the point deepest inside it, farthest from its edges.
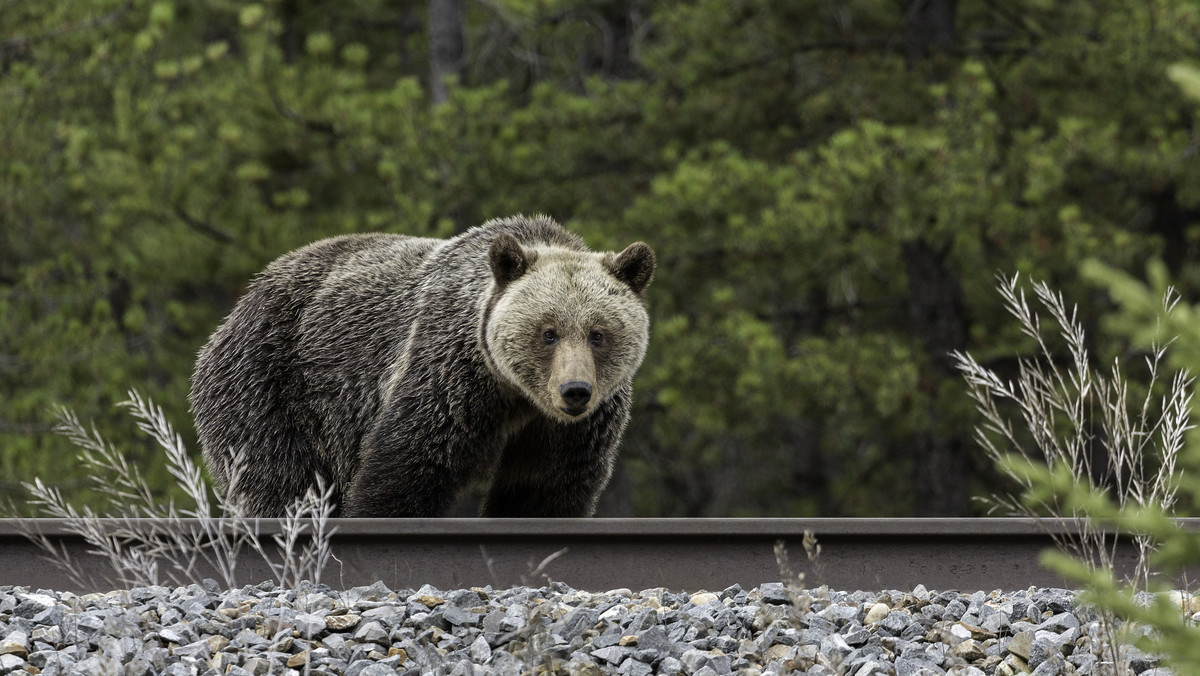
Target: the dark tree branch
(292, 115)
(202, 226)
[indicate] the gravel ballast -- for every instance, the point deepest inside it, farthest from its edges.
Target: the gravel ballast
(372, 631)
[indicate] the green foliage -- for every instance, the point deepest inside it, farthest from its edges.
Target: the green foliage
(1147, 321)
(1174, 635)
(829, 196)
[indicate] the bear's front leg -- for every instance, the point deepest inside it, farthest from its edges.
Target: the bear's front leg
(414, 463)
(555, 469)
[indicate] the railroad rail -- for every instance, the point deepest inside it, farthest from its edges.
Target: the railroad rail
(602, 554)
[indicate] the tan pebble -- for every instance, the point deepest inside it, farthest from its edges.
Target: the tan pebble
(1015, 664)
(1186, 601)
(970, 650)
(627, 641)
(298, 660)
(977, 632)
(222, 661)
(1020, 644)
(394, 651)
(341, 622)
(777, 652)
(876, 613)
(13, 648)
(701, 598)
(430, 601)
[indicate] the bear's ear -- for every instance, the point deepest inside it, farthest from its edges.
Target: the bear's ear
(634, 266)
(508, 260)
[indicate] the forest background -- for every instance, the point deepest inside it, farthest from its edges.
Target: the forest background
(831, 187)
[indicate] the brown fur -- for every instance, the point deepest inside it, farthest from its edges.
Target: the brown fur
(402, 369)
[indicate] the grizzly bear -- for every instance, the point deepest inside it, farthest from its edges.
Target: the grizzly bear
(402, 370)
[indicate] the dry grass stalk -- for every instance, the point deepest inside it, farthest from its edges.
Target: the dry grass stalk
(149, 542)
(1086, 421)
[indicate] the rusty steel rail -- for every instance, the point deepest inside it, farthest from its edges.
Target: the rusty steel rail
(602, 554)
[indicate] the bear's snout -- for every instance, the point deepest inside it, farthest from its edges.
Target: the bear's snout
(575, 394)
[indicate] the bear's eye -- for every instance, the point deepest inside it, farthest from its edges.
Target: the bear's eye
(595, 338)
(550, 335)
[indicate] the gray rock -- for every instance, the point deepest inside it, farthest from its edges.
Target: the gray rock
(612, 654)
(480, 652)
(635, 668)
(840, 614)
(774, 592)
(906, 666)
(693, 660)
(579, 620)
(336, 643)
(371, 632)
(856, 635)
(1052, 666)
(554, 628)
(309, 625)
(835, 644)
(955, 610)
(820, 623)
(1059, 623)
(1040, 650)
(491, 621)
(872, 668)
(609, 638)
(459, 617)
(1138, 660)
(670, 666)
(11, 662)
(98, 666)
(377, 591)
(996, 623)
(199, 650)
(369, 668)
(895, 623)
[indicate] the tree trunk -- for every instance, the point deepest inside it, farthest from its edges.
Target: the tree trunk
(936, 319)
(935, 303)
(445, 46)
(929, 26)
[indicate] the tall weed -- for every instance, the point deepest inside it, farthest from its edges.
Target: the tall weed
(1082, 449)
(148, 541)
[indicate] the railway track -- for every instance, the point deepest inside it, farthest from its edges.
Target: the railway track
(602, 554)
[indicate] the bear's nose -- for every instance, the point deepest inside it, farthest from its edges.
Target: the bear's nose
(576, 394)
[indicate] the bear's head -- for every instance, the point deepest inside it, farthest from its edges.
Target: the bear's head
(567, 328)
